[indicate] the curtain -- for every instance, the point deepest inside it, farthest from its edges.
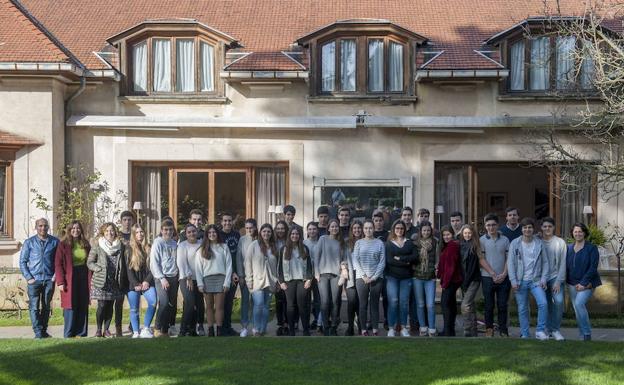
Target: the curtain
(328, 66)
(270, 190)
(451, 190)
(3, 202)
(375, 65)
(150, 195)
(565, 62)
(185, 66)
(587, 72)
(540, 63)
(396, 67)
(347, 65)
(139, 73)
(162, 65)
(575, 194)
(517, 66)
(207, 70)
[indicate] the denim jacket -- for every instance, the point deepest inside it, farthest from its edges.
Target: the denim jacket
(515, 267)
(37, 262)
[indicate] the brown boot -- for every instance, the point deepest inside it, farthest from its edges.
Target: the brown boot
(489, 332)
(118, 331)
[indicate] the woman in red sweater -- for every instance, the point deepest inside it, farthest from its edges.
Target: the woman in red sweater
(449, 272)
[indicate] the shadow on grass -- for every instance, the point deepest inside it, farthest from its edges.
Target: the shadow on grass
(310, 361)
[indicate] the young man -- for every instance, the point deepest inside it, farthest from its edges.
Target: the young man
(323, 219)
(411, 231)
(230, 238)
(457, 221)
(527, 265)
(379, 231)
(196, 218)
(344, 217)
(512, 229)
(289, 217)
(127, 220)
(407, 215)
(556, 251)
(494, 280)
(422, 216)
(37, 266)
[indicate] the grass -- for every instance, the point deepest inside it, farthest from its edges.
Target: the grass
(300, 360)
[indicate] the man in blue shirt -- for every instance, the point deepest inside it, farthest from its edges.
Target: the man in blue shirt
(230, 237)
(512, 228)
(37, 267)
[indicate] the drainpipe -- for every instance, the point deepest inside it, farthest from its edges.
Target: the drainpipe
(68, 131)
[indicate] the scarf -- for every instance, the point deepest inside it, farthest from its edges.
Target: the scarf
(425, 247)
(108, 247)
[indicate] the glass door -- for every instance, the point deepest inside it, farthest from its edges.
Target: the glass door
(189, 189)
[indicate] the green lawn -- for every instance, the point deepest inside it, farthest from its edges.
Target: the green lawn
(300, 360)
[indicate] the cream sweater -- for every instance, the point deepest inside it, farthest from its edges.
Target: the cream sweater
(219, 263)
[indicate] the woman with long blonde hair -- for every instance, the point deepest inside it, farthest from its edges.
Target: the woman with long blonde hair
(470, 250)
(141, 282)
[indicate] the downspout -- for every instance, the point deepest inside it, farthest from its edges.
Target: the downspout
(68, 131)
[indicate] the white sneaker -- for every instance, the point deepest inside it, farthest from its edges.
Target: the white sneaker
(135, 334)
(146, 333)
(557, 336)
(173, 331)
(391, 332)
(433, 332)
(201, 331)
(541, 336)
(405, 332)
(243, 332)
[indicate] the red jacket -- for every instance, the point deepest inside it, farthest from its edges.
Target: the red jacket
(449, 266)
(64, 268)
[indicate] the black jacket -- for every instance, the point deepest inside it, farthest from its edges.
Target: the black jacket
(402, 268)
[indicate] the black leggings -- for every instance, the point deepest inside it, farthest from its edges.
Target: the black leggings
(369, 293)
(298, 303)
(104, 314)
(448, 302)
(353, 305)
(119, 311)
(281, 308)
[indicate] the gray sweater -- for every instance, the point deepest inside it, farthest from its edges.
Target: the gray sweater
(515, 266)
(243, 244)
(329, 256)
(369, 258)
(163, 258)
(260, 269)
(556, 251)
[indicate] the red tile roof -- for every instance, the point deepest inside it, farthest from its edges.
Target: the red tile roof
(9, 139)
(266, 61)
(456, 26)
(22, 40)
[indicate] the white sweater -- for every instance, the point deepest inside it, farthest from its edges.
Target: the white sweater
(219, 263)
(186, 259)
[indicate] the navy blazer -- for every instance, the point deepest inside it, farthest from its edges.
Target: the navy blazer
(582, 267)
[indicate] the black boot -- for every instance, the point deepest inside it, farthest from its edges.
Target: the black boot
(349, 331)
(211, 332)
(219, 331)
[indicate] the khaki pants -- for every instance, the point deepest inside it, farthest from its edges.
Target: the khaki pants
(468, 309)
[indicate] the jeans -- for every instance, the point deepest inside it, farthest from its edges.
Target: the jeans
(39, 300)
(369, 292)
(76, 319)
(469, 312)
(579, 301)
(555, 306)
(261, 302)
(134, 300)
(228, 305)
(496, 293)
(189, 307)
(448, 302)
(424, 291)
(522, 299)
(298, 302)
(330, 300)
(167, 303)
(398, 292)
(245, 309)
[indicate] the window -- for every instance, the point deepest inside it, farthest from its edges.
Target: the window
(328, 66)
(347, 64)
(396, 67)
(375, 65)
(6, 200)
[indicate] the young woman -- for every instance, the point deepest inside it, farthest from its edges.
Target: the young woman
(369, 261)
(109, 281)
(281, 230)
(348, 273)
(261, 276)
(72, 279)
(449, 272)
(164, 268)
(251, 234)
(312, 238)
(213, 269)
(141, 282)
(295, 275)
(582, 276)
(424, 281)
(470, 249)
(329, 257)
(398, 277)
(193, 299)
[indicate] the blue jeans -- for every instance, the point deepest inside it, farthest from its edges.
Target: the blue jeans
(579, 301)
(555, 306)
(245, 302)
(134, 300)
(261, 303)
(39, 300)
(522, 299)
(398, 300)
(424, 291)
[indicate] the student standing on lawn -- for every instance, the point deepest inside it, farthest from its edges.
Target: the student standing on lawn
(512, 228)
(494, 279)
(457, 221)
(213, 269)
(348, 277)
(125, 230)
(424, 280)
(411, 232)
(289, 217)
(165, 271)
(323, 219)
(231, 238)
(329, 257)
(382, 234)
(140, 282)
(344, 216)
(450, 274)
(312, 238)
(470, 250)
(295, 275)
(369, 261)
(281, 234)
(109, 281)
(582, 276)
(261, 276)
(193, 299)
(196, 218)
(398, 278)
(251, 234)
(527, 264)
(556, 251)
(72, 279)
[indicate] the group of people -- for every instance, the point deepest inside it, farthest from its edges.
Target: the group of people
(308, 273)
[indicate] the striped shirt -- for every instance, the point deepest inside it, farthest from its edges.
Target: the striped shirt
(369, 258)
